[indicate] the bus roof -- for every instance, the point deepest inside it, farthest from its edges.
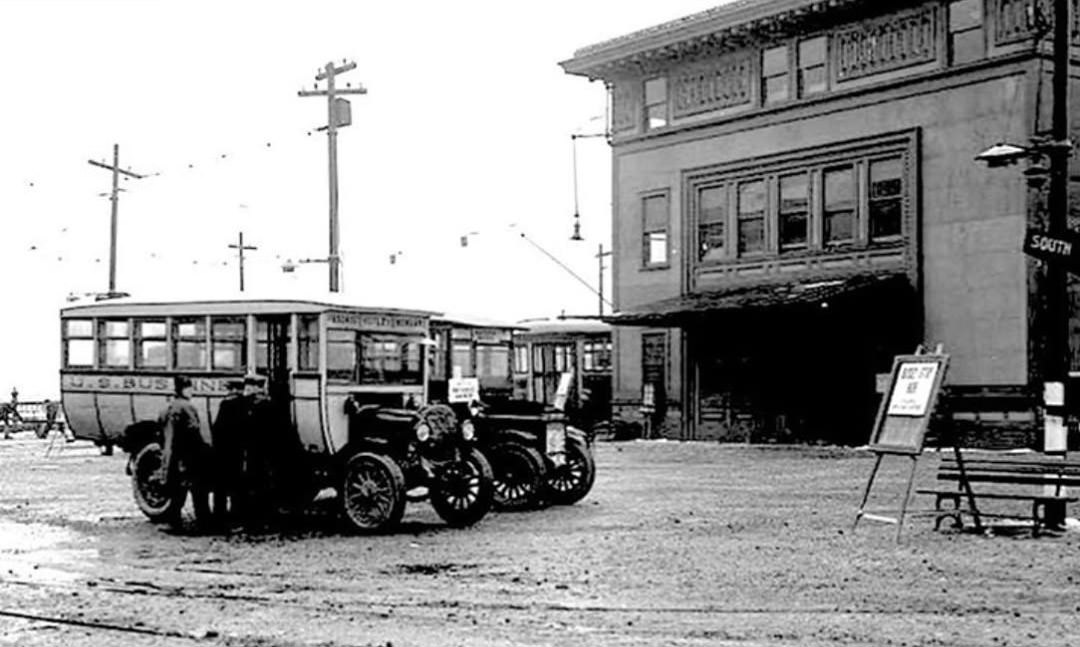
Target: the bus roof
(469, 321)
(246, 303)
(568, 325)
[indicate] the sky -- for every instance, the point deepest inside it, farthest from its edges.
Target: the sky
(464, 131)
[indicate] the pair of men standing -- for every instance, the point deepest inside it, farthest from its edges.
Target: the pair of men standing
(238, 469)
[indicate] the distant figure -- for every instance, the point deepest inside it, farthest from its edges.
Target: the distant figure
(227, 438)
(184, 452)
(52, 410)
(9, 413)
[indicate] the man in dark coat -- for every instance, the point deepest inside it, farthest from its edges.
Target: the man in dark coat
(184, 452)
(259, 464)
(227, 438)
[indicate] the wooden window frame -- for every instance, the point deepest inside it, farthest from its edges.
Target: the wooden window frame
(646, 232)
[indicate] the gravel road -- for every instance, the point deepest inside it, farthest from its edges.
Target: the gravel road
(678, 544)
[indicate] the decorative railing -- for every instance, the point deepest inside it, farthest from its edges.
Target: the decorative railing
(721, 84)
(886, 44)
(1017, 20)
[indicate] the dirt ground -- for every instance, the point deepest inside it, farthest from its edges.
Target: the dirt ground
(678, 544)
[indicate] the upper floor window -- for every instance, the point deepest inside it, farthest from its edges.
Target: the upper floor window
(839, 208)
(775, 75)
(79, 342)
(712, 216)
(655, 230)
(886, 197)
(115, 348)
(812, 76)
(794, 213)
(967, 40)
(151, 344)
(751, 226)
(656, 103)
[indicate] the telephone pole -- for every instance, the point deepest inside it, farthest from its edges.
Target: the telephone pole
(240, 248)
(338, 114)
(114, 197)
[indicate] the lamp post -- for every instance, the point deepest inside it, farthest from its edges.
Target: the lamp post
(1051, 323)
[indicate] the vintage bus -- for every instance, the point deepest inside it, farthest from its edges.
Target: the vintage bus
(119, 358)
(471, 347)
(349, 381)
(548, 348)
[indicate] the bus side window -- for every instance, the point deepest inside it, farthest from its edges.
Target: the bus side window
(227, 337)
(151, 344)
(189, 339)
(115, 346)
(308, 338)
(79, 343)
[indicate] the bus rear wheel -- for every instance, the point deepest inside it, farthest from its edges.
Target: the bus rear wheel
(155, 499)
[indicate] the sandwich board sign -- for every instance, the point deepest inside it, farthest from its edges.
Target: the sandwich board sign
(904, 414)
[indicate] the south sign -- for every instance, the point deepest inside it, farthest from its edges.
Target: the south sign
(1064, 247)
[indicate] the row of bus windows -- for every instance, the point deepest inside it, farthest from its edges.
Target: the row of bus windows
(193, 343)
(364, 358)
(557, 358)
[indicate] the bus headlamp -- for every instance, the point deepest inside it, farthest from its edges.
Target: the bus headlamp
(423, 432)
(468, 430)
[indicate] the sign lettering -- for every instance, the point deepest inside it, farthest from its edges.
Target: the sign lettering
(911, 392)
(138, 383)
(361, 321)
(1063, 247)
(464, 390)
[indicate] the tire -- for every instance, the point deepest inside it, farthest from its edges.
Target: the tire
(462, 491)
(151, 495)
(518, 476)
(570, 482)
(372, 493)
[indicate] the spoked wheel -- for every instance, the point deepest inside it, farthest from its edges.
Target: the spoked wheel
(570, 482)
(462, 491)
(519, 473)
(373, 494)
(156, 500)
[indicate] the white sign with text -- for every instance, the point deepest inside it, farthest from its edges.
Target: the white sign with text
(911, 392)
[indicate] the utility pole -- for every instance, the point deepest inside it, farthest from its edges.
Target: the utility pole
(337, 115)
(1058, 354)
(114, 197)
(600, 261)
(240, 248)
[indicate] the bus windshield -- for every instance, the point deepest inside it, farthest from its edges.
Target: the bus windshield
(367, 358)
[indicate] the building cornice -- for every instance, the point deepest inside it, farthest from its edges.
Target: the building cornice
(720, 27)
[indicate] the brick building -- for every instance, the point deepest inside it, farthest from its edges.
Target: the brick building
(796, 201)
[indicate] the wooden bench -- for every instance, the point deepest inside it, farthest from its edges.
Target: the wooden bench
(1033, 478)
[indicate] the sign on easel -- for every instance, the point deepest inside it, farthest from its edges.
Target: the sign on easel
(900, 427)
(910, 397)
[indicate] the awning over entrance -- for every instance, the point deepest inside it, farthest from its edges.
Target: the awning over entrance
(688, 308)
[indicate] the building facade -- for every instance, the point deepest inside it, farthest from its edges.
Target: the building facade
(796, 201)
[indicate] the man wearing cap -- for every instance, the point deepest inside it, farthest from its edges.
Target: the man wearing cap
(183, 448)
(227, 439)
(258, 457)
